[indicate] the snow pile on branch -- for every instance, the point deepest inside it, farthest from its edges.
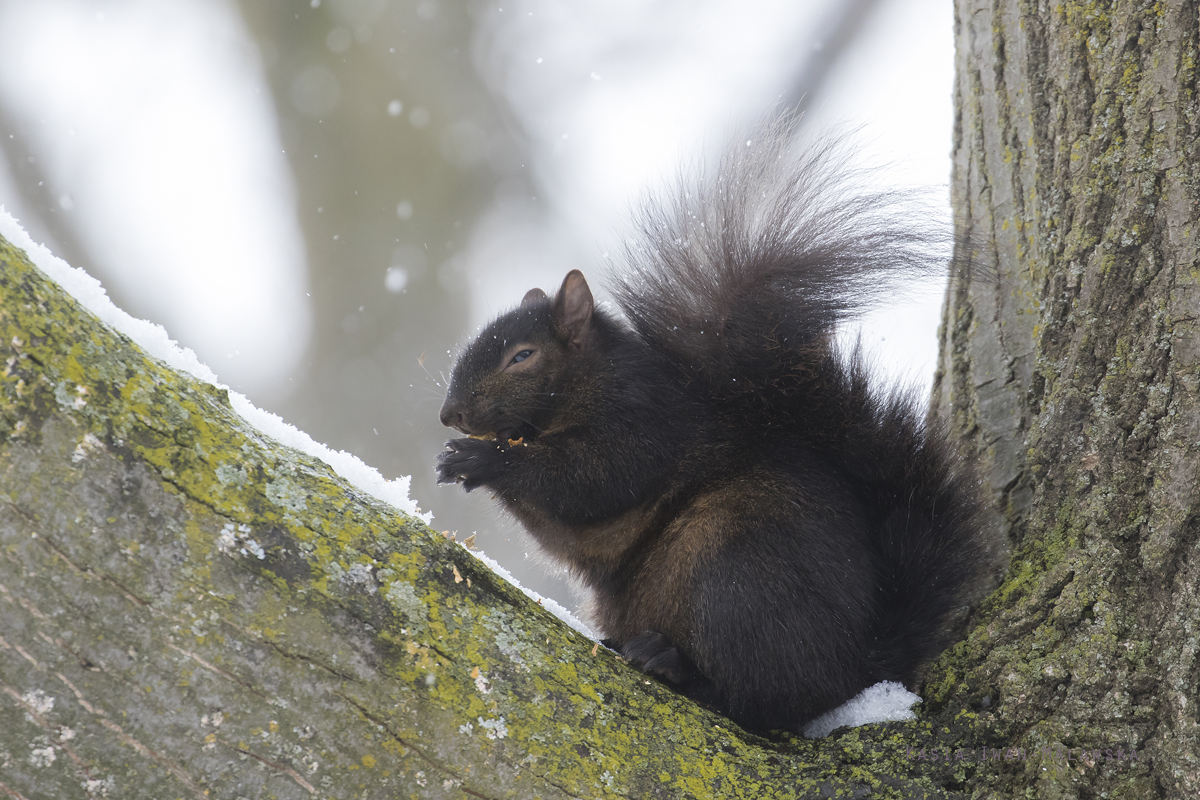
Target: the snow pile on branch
(886, 701)
(154, 340)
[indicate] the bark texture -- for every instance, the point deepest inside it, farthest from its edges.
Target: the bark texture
(1072, 373)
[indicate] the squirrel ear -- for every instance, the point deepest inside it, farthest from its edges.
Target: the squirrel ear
(532, 296)
(573, 308)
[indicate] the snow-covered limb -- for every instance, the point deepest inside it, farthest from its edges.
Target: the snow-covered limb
(154, 339)
(212, 610)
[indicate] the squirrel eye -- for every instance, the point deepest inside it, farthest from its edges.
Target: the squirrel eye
(521, 356)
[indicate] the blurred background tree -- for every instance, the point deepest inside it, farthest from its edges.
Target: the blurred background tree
(324, 198)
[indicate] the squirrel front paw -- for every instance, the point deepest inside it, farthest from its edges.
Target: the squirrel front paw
(471, 462)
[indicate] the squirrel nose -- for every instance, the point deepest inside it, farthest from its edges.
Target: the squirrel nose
(451, 417)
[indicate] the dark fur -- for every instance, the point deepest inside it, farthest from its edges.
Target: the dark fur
(757, 524)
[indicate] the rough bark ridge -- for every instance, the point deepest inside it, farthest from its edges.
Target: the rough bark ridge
(188, 609)
(1074, 377)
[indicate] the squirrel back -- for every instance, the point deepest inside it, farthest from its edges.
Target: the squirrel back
(759, 524)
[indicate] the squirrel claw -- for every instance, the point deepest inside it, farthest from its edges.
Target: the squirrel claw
(470, 462)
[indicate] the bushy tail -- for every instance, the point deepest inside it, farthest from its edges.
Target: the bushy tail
(929, 548)
(779, 244)
(742, 281)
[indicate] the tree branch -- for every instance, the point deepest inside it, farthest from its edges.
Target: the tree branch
(191, 609)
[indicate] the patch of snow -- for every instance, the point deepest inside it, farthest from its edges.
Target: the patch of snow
(886, 701)
(154, 340)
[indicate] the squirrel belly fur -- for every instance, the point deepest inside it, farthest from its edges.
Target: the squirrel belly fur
(759, 525)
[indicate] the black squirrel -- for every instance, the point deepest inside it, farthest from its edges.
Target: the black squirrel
(758, 524)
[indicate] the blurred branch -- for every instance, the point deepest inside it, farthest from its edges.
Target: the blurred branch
(843, 22)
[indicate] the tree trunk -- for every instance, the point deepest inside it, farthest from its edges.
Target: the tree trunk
(1072, 373)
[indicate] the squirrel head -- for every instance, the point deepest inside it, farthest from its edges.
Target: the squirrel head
(509, 381)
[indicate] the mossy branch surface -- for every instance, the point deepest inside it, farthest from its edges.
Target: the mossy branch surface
(190, 609)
